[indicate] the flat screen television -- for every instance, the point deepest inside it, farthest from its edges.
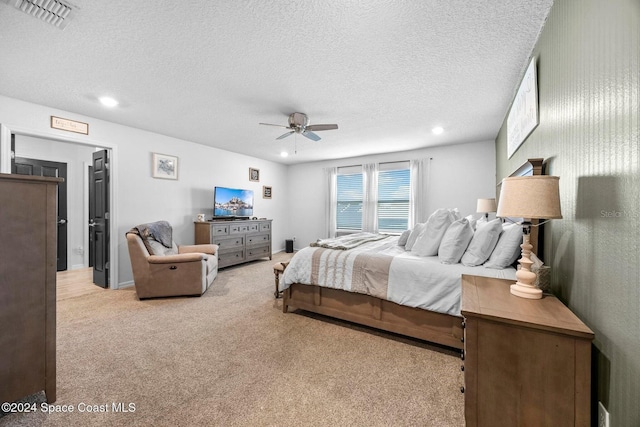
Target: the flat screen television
(232, 202)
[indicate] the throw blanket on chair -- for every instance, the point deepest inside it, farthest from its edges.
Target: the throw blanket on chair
(349, 241)
(156, 232)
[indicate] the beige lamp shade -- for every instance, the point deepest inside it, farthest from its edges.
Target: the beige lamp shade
(486, 205)
(531, 197)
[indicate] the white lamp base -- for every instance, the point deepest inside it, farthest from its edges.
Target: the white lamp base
(525, 291)
(524, 287)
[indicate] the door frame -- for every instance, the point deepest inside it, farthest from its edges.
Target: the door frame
(5, 167)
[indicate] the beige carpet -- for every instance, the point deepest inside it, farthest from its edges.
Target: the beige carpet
(232, 358)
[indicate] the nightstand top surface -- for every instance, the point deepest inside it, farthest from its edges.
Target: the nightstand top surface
(490, 298)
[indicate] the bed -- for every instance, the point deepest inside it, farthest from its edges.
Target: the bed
(379, 284)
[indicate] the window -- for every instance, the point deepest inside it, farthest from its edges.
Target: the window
(394, 189)
(392, 198)
(349, 197)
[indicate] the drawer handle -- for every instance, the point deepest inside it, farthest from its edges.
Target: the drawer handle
(462, 368)
(462, 339)
(462, 389)
(173, 267)
(464, 324)
(462, 354)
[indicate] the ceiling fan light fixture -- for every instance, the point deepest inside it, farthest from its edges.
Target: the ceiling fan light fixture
(299, 124)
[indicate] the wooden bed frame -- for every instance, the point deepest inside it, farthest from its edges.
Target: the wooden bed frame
(362, 309)
(375, 312)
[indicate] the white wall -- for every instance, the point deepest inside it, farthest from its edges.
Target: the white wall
(141, 198)
(460, 174)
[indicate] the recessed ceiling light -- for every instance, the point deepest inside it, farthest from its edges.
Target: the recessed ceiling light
(437, 130)
(284, 154)
(108, 101)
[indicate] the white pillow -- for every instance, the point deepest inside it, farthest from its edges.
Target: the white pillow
(413, 236)
(482, 244)
(404, 237)
(472, 221)
(428, 242)
(507, 250)
(455, 241)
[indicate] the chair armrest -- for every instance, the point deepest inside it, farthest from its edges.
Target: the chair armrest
(203, 249)
(172, 259)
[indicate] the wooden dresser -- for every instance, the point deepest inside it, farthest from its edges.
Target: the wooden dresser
(525, 362)
(28, 233)
(239, 241)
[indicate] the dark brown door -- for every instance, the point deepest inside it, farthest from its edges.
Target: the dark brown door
(99, 224)
(92, 219)
(24, 166)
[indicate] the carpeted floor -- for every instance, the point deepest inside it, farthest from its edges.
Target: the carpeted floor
(232, 358)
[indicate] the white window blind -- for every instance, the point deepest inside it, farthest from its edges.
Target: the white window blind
(394, 190)
(349, 197)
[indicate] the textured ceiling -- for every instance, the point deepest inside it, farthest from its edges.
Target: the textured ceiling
(385, 71)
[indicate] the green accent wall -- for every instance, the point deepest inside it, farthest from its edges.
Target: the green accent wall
(588, 58)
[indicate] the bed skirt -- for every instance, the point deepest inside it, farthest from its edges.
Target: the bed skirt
(362, 309)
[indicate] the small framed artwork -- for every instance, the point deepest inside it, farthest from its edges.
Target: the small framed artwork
(164, 166)
(266, 192)
(254, 174)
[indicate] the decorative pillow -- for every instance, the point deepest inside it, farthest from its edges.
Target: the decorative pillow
(413, 236)
(472, 221)
(455, 241)
(507, 250)
(483, 242)
(404, 237)
(482, 220)
(429, 240)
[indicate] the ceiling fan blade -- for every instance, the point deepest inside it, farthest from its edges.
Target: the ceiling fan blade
(270, 124)
(311, 135)
(285, 135)
(321, 127)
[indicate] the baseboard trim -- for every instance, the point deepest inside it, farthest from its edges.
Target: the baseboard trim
(128, 284)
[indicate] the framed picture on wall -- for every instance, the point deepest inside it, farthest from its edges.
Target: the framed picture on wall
(254, 174)
(266, 192)
(164, 166)
(523, 116)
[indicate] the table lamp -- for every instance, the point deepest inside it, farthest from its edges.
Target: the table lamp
(485, 206)
(528, 197)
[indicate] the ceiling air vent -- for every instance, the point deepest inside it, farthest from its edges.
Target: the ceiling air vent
(53, 12)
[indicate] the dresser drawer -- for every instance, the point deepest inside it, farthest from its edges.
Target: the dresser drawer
(230, 257)
(220, 230)
(253, 227)
(258, 239)
(238, 228)
(258, 252)
(265, 226)
(229, 243)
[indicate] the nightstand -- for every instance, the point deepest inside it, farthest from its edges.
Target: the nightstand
(525, 362)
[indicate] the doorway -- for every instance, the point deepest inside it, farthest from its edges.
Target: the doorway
(76, 155)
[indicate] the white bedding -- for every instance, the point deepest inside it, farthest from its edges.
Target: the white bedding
(413, 281)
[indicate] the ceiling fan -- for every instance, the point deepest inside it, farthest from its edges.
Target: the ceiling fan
(299, 123)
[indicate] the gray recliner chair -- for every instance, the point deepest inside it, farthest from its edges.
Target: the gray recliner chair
(162, 269)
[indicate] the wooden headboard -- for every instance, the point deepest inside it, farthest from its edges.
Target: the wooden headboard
(530, 168)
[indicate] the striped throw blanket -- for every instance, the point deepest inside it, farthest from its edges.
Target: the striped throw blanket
(349, 241)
